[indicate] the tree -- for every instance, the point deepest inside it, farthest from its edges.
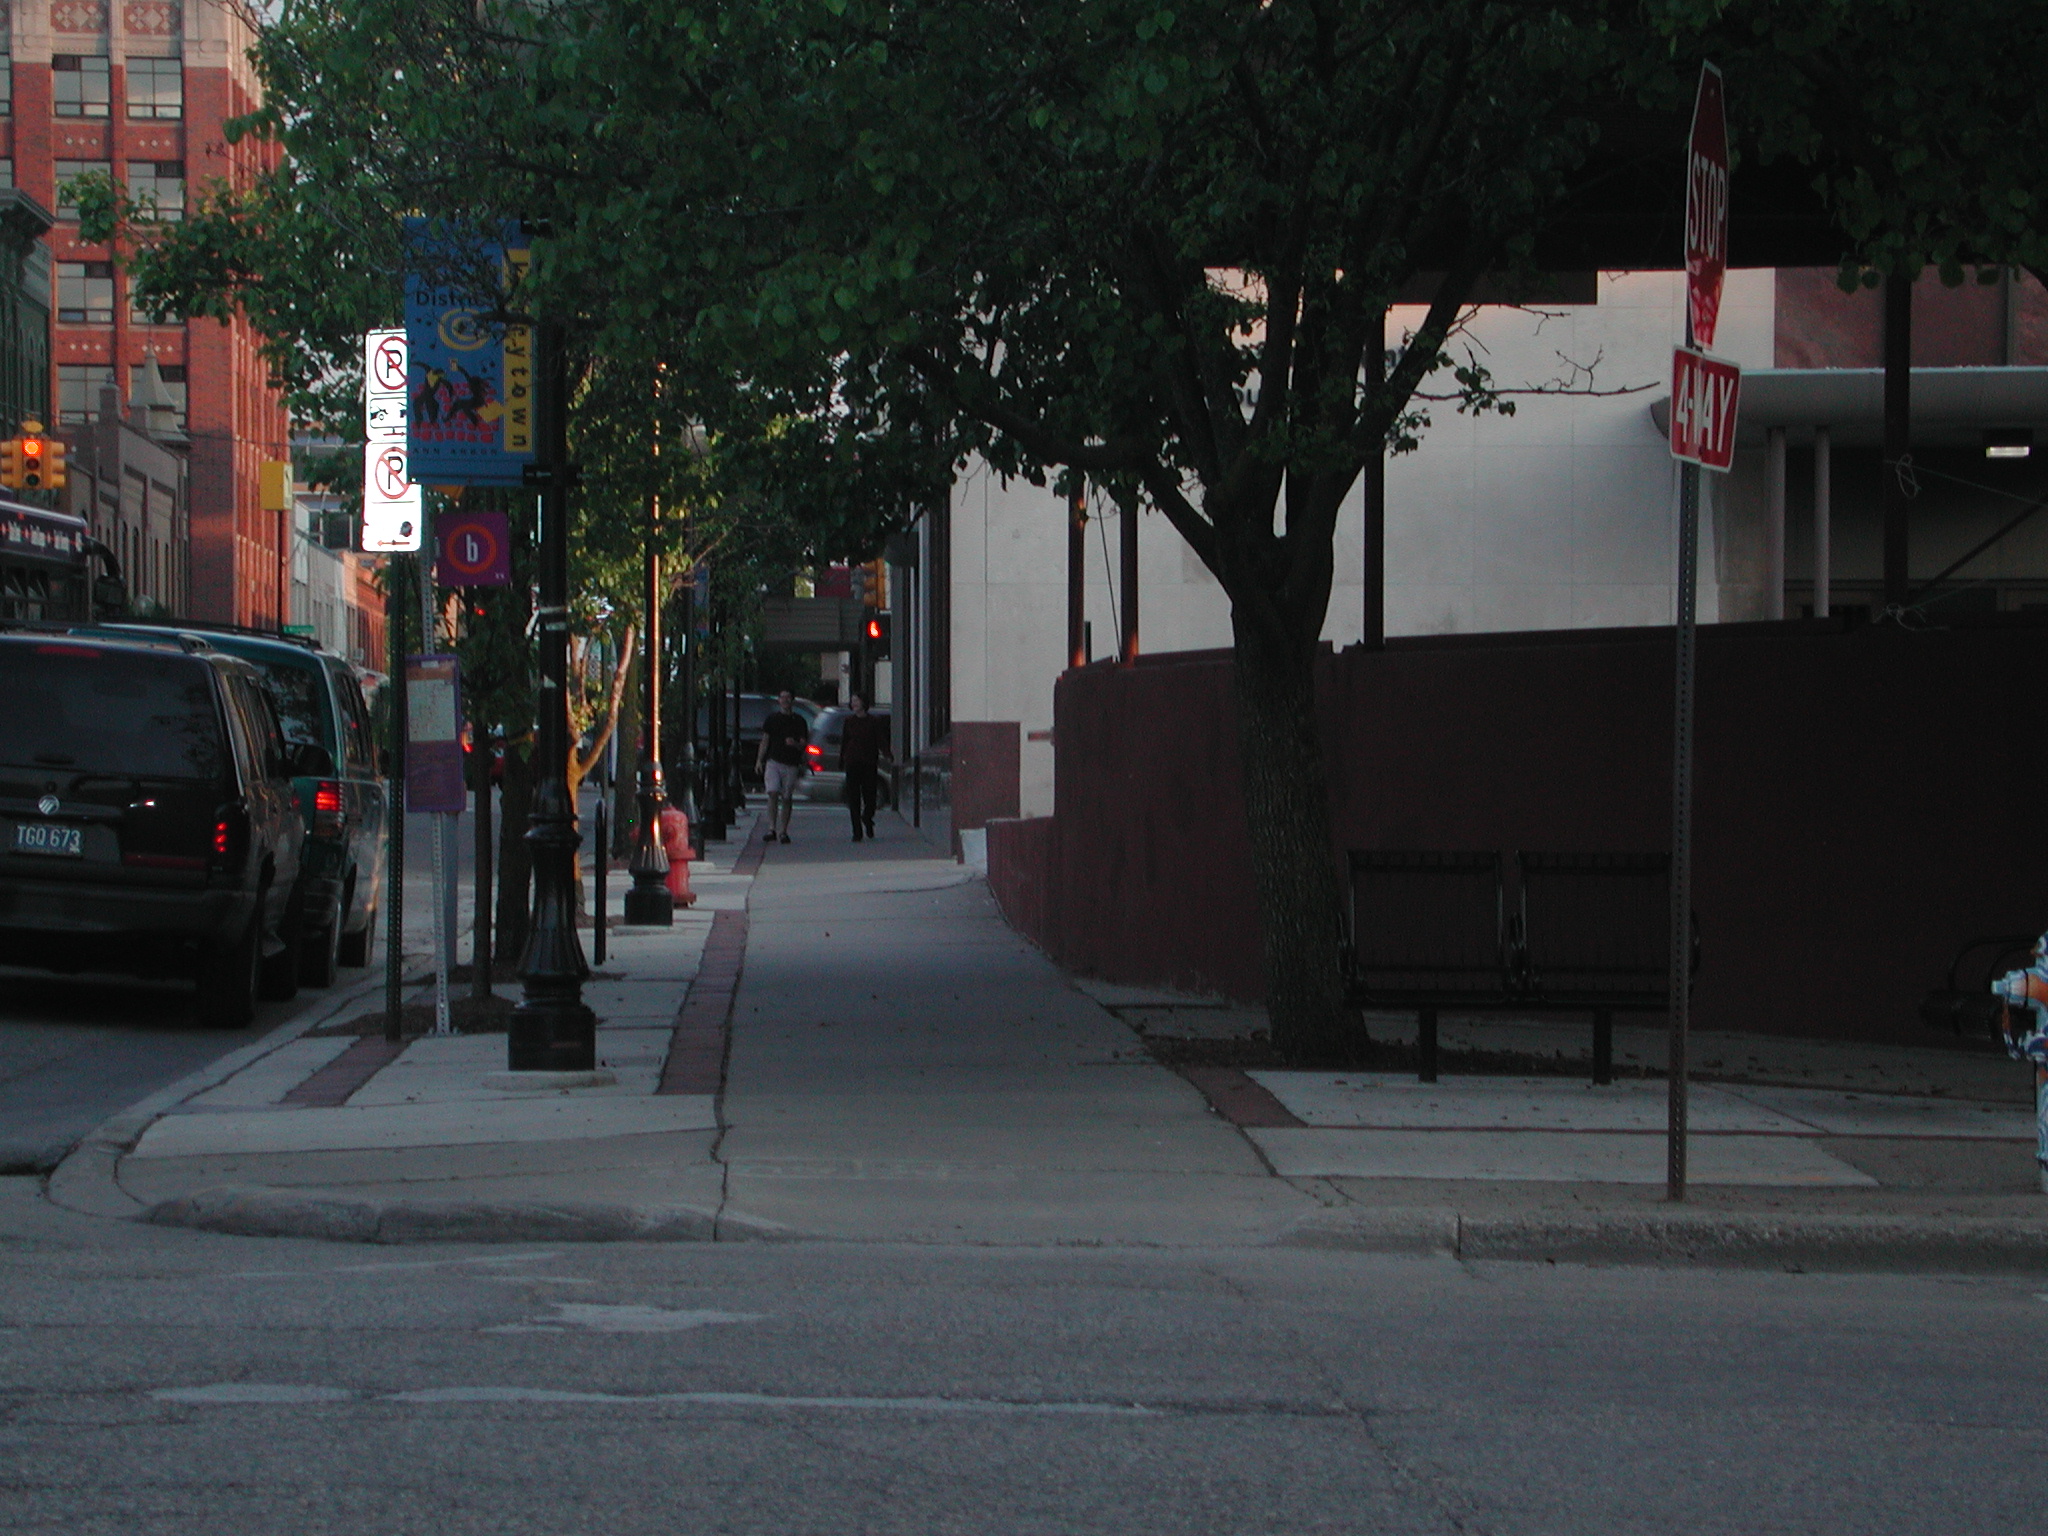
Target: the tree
(1149, 244)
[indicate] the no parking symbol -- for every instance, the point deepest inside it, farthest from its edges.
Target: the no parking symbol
(475, 550)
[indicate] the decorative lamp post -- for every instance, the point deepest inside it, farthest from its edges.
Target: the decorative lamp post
(552, 1030)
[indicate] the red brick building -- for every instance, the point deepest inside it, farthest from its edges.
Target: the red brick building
(140, 89)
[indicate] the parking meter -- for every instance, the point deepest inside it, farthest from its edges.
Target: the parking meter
(2024, 1025)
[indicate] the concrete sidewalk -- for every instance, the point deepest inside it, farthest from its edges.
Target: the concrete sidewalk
(901, 1066)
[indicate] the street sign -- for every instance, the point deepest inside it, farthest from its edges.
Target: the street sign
(433, 735)
(1706, 210)
(475, 550)
(1705, 392)
(391, 502)
(469, 378)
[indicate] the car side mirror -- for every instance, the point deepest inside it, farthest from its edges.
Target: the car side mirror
(309, 760)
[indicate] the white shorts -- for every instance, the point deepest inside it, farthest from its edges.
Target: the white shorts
(783, 778)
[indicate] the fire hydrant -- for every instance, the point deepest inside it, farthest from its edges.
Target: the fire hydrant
(2025, 1027)
(675, 842)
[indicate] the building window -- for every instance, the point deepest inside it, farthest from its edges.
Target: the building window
(174, 384)
(156, 88)
(139, 313)
(159, 184)
(6, 173)
(85, 292)
(81, 85)
(78, 391)
(6, 80)
(69, 171)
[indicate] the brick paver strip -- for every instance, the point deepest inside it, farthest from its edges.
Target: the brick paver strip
(696, 1051)
(1241, 1100)
(331, 1086)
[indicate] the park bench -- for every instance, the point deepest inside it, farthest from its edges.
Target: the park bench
(1576, 933)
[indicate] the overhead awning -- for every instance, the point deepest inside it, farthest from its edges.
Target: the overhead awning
(1951, 407)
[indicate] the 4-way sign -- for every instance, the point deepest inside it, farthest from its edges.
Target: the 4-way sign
(1704, 394)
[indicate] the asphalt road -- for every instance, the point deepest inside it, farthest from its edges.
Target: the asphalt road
(171, 1382)
(75, 1050)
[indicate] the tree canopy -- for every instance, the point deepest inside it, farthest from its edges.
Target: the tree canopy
(1148, 243)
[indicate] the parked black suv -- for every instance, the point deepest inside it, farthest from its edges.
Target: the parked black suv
(146, 818)
(319, 703)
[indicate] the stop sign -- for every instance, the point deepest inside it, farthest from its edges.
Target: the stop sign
(1706, 209)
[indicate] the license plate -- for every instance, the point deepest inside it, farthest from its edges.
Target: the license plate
(48, 837)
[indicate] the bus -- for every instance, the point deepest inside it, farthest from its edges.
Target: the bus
(46, 568)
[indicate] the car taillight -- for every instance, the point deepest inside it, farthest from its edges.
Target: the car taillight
(816, 751)
(223, 837)
(326, 807)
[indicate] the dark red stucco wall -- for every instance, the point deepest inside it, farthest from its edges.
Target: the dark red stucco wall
(1867, 801)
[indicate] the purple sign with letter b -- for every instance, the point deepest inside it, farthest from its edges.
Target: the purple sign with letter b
(475, 550)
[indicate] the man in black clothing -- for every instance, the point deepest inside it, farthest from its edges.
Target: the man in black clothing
(861, 751)
(780, 762)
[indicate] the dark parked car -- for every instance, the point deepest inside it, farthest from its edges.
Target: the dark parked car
(146, 818)
(342, 803)
(827, 778)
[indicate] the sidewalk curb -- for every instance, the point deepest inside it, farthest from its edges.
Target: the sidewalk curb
(244, 1211)
(1697, 1239)
(86, 1182)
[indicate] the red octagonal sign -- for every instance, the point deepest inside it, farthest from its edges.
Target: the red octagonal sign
(1706, 210)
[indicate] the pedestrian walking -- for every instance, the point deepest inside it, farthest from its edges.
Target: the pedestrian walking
(780, 761)
(861, 751)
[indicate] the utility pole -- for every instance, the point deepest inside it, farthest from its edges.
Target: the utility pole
(552, 1030)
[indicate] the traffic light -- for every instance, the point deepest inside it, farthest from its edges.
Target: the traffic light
(56, 468)
(10, 463)
(32, 450)
(876, 634)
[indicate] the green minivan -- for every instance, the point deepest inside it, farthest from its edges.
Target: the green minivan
(333, 914)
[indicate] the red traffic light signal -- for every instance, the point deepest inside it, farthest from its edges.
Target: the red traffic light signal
(874, 629)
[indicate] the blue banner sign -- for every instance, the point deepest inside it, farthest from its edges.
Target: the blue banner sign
(469, 379)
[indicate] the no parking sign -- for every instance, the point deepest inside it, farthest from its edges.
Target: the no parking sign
(475, 550)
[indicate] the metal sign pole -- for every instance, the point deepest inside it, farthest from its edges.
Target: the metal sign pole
(1681, 826)
(444, 929)
(1697, 433)
(394, 832)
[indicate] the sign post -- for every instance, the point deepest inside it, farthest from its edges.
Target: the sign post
(1704, 393)
(392, 510)
(434, 780)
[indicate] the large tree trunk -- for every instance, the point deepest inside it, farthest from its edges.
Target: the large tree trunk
(515, 857)
(1287, 813)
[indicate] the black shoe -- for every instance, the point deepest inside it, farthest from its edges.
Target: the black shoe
(785, 837)
(856, 837)
(871, 829)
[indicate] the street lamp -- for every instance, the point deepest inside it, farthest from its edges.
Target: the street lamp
(649, 901)
(552, 1030)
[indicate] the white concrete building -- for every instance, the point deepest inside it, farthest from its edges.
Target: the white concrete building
(1560, 515)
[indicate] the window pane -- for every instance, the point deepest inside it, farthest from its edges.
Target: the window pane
(78, 390)
(80, 85)
(174, 384)
(6, 82)
(69, 171)
(85, 292)
(159, 184)
(156, 88)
